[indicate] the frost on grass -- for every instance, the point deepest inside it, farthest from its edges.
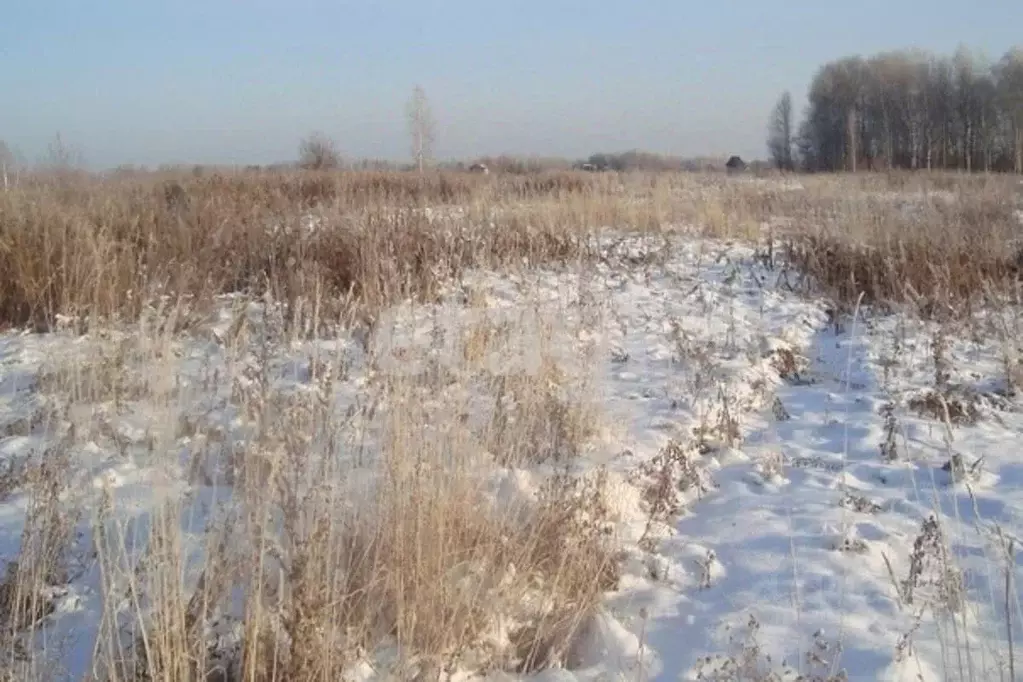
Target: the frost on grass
(349, 518)
(662, 460)
(447, 493)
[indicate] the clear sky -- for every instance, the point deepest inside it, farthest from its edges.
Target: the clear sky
(213, 81)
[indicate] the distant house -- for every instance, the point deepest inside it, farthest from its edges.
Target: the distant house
(735, 165)
(479, 168)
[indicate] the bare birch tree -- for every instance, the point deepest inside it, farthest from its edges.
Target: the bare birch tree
(1009, 74)
(779, 133)
(61, 157)
(6, 165)
(421, 127)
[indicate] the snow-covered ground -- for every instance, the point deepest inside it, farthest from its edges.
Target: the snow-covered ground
(812, 525)
(785, 532)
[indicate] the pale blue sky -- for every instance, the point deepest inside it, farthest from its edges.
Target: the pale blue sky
(214, 81)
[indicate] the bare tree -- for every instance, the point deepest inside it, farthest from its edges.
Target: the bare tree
(911, 109)
(6, 164)
(965, 73)
(1009, 75)
(421, 127)
(779, 133)
(318, 152)
(61, 157)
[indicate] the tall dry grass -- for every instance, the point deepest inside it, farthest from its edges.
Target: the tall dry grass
(93, 249)
(941, 251)
(96, 249)
(309, 563)
(313, 532)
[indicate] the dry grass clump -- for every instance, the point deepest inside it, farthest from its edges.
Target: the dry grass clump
(788, 365)
(960, 410)
(535, 419)
(35, 578)
(934, 240)
(313, 540)
(110, 372)
(422, 567)
(939, 255)
(748, 661)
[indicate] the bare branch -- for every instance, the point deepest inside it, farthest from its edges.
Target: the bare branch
(318, 152)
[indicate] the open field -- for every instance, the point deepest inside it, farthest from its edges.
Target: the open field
(562, 426)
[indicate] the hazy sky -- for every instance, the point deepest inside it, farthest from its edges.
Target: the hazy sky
(212, 81)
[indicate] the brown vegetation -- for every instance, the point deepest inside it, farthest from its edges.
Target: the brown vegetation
(108, 247)
(425, 564)
(939, 251)
(91, 249)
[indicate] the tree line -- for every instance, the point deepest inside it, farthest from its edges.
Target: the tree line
(906, 109)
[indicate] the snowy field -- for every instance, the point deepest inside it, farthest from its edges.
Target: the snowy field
(782, 492)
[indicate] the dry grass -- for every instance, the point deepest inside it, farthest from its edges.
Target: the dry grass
(34, 579)
(417, 561)
(333, 537)
(329, 537)
(95, 249)
(940, 251)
